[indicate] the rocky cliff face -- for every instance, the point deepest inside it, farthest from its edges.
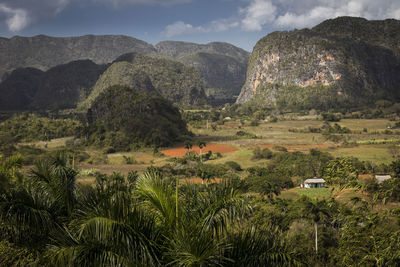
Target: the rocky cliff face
(343, 62)
(222, 66)
(43, 52)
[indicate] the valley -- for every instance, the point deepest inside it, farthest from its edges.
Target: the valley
(115, 152)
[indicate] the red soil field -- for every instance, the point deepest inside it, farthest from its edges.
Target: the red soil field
(181, 151)
(365, 176)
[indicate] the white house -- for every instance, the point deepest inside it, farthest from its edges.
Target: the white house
(314, 183)
(382, 177)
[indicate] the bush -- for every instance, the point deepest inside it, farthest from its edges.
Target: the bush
(129, 160)
(280, 148)
(233, 165)
(254, 123)
(273, 119)
(246, 134)
(262, 154)
(327, 116)
(110, 150)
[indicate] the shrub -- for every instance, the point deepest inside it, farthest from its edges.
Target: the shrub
(280, 148)
(129, 160)
(246, 134)
(327, 116)
(254, 123)
(262, 154)
(233, 165)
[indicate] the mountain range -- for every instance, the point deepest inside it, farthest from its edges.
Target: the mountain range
(345, 62)
(60, 64)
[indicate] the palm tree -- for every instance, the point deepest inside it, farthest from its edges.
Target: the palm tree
(314, 209)
(58, 179)
(110, 228)
(259, 247)
(188, 145)
(203, 174)
(201, 144)
(10, 169)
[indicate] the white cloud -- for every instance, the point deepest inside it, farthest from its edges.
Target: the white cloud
(257, 14)
(16, 19)
(307, 13)
(181, 28)
(18, 14)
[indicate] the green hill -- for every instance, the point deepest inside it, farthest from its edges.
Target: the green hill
(173, 80)
(124, 117)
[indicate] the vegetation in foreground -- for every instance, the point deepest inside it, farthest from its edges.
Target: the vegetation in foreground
(234, 209)
(48, 219)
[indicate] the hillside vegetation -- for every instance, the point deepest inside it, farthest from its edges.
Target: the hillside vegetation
(124, 118)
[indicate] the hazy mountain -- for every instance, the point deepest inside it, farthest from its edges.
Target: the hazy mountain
(346, 62)
(222, 66)
(43, 52)
(19, 88)
(64, 86)
(173, 80)
(60, 87)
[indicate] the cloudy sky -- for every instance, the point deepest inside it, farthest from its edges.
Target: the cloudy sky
(240, 22)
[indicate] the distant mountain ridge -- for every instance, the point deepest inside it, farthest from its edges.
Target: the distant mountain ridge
(43, 52)
(222, 66)
(60, 87)
(345, 62)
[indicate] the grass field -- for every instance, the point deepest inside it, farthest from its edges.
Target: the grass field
(239, 149)
(295, 193)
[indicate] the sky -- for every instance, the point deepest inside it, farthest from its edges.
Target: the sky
(240, 22)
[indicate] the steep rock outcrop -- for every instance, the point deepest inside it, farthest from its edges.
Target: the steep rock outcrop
(339, 63)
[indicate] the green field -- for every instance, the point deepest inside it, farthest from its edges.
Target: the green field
(268, 135)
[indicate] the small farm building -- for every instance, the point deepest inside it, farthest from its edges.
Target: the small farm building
(315, 183)
(382, 177)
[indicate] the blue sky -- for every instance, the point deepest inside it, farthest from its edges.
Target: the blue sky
(240, 22)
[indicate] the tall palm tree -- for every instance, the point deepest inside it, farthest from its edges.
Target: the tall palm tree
(201, 144)
(188, 145)
(314, 210)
